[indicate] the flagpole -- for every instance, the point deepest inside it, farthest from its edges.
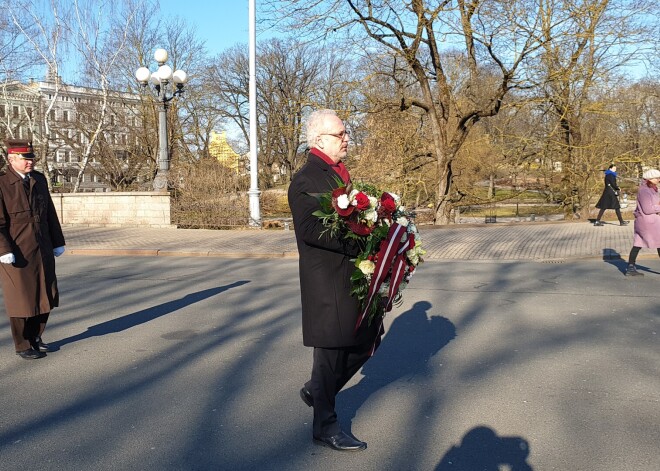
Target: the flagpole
(253, 192)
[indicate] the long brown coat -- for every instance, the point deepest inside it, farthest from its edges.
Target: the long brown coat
(29, 228)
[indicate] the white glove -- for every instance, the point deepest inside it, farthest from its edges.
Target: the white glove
(8, 258)
(57, 251)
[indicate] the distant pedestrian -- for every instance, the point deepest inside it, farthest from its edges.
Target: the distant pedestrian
(647, 219)
(30, 239)
(610, 197)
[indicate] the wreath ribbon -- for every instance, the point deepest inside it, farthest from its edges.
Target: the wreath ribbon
(391, 261)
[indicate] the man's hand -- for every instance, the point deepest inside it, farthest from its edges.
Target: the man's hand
(57, 251)
(7, 258)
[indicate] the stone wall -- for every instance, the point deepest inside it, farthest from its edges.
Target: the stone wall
(130, 209)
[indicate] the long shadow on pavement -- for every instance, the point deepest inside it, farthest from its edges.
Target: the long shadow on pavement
(146, 315)
(482, 449)
(412, 339)
(612, 257)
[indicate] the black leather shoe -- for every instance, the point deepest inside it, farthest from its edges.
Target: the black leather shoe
(30, 354)
(624, 223)
(598, 223)
(42, 347)
(306, 396)
(341, 442)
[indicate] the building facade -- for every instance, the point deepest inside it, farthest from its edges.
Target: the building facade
(85, 137)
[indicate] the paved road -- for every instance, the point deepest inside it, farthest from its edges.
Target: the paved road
(519, 241)
(194, 363)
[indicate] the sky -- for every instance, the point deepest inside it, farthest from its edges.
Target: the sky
(220, 23)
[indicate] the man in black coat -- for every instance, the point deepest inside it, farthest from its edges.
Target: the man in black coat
(329, 312)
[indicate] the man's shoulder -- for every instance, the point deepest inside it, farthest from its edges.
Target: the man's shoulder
(314, 165)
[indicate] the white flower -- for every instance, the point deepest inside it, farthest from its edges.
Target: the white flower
(373, 202)
(367, 267)
(351, 197)
(396, 197)
(415, 253)
(402, 220)
(342, 201)
(370, 215)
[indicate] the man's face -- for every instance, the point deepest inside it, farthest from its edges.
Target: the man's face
(334, 140)
(21, 164)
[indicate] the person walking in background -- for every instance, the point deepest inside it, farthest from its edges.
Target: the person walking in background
(329, 312)
(30, 239)
(610, 197)
(647, 219)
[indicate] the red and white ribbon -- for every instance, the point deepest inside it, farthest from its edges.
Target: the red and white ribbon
(391, 256)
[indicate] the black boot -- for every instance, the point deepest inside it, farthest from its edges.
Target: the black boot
(632, 271)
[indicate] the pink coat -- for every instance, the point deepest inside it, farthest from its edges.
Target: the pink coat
(647, 219)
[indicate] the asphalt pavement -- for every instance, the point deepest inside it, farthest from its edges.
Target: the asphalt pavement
(516, 347)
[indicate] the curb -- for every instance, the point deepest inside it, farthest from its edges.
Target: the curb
(176, 253)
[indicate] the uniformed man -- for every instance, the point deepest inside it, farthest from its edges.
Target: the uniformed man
(30, 239)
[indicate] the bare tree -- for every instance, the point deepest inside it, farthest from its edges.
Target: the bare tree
(584, 44)
(44, 35)
(291, 79)
(497, 37)
(99, 41)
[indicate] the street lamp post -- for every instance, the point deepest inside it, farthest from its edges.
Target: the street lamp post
(166, 85)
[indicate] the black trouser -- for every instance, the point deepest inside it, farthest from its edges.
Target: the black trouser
(25, 330)
(616, 210)
(333, 368)
(633, 255)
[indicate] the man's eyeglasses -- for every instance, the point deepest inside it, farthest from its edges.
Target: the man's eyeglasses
(340, 136)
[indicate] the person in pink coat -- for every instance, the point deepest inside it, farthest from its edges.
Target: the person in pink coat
(647, 219)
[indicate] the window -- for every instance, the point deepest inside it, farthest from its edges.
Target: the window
(65, 116)
(52, 115)
(29, 112)
(15, 112)
(2, 111)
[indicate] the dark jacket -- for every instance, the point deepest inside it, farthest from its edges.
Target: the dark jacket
(30, 229)
(610, 197)
(329, 312)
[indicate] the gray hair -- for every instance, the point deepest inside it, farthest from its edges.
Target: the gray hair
(315, 125)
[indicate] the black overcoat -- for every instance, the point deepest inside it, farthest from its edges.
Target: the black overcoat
(329, 312)
(30, 229)
(610, 197)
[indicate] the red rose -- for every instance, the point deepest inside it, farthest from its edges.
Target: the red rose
(359, 228)
(387, 203)
(362, 201)
(337, 192)
(341, 193)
